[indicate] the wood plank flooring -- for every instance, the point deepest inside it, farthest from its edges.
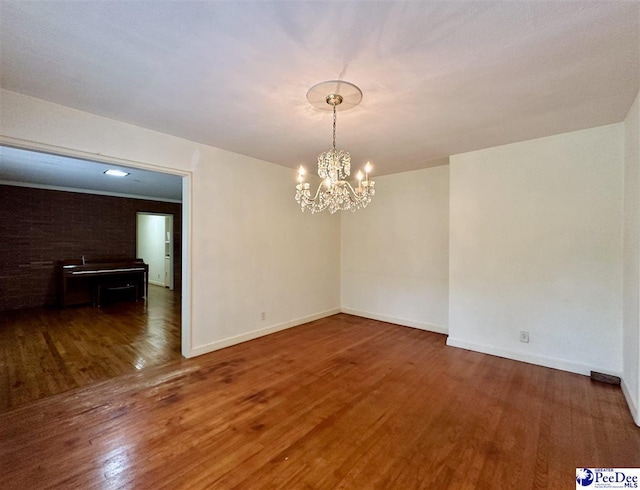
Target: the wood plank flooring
(342, 402)
(44, 351)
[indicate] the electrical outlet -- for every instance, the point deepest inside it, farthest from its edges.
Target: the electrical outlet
(524, 336)
(263, 315)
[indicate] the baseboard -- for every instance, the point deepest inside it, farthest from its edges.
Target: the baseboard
(630, 402)
(156, 283)
(261, 332)
(399, 321)
(551, 362)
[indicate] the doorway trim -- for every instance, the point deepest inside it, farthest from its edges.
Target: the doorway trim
(187, 190)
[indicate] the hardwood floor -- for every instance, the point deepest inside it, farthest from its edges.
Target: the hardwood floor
(342, 402)
(45, 351)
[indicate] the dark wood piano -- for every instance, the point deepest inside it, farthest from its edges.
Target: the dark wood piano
(88, 282)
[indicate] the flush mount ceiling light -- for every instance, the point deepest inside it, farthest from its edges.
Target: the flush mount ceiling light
(334, 166)
(116, 173)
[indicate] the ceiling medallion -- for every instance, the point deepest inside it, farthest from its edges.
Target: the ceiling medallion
(334, 166)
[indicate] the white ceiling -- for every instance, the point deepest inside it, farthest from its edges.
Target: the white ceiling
(438, 78)
(51, 171)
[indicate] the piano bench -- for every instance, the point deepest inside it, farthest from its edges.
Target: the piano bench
(116, 291)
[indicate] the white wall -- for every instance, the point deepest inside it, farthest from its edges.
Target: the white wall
(150, 245)
(395, 252)
(251, 248)
(536, 245)
(631, 321)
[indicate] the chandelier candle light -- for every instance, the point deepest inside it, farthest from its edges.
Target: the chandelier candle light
(334, 166)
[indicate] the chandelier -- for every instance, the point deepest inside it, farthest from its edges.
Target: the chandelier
(334, 166)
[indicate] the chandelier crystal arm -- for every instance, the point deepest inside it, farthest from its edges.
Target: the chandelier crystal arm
(353, 191)
(318, 191)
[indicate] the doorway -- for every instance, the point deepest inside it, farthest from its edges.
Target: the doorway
(154, 244)
(89, 344)
(33, 168)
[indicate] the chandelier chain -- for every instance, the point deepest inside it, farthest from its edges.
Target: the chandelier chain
(334, 127)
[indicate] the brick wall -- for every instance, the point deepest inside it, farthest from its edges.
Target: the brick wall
(39, 227)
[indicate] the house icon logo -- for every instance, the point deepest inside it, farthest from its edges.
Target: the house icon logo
(584, 477)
